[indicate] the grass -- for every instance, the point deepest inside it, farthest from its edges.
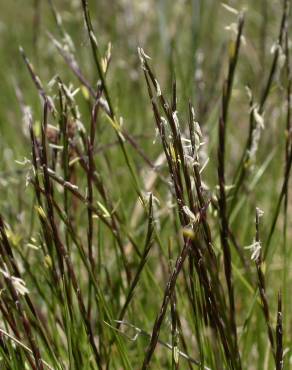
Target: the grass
(144, 219)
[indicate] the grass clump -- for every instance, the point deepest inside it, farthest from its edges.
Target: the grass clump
(125, 249)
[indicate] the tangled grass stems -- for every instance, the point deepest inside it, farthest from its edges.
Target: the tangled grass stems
(113, 234)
